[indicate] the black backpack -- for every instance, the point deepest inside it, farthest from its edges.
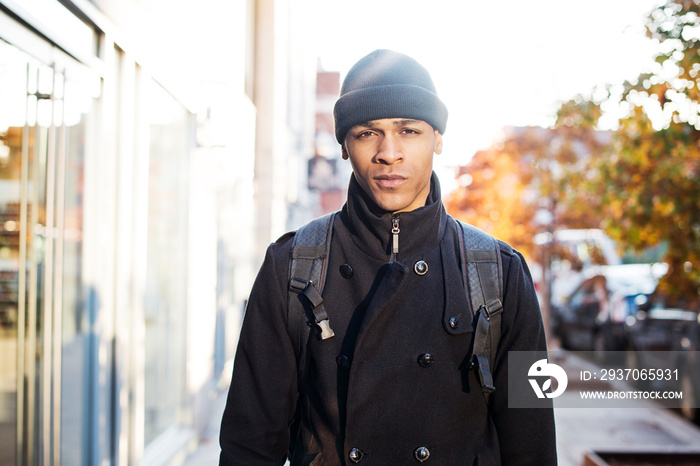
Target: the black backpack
(482, 275)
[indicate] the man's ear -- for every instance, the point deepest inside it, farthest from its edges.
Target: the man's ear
(344, 151)
(438, 142)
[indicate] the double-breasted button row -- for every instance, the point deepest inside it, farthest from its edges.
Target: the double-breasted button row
(425, 360)
(420, 267)
(422, 454)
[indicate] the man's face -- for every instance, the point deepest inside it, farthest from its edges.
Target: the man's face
(392, 159)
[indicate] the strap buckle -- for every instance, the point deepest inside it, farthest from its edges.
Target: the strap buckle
(326, 330)
(298, 285)
(492, 308)
(305, 287)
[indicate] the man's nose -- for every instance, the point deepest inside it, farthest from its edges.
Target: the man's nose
(389, 150)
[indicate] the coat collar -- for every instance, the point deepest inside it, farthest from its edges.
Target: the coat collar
(370, 227)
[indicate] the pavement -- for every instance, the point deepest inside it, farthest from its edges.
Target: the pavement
(644, 432)
(207, 451)
(638, 431)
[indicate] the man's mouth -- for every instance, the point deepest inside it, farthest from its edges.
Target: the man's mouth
(389, 181)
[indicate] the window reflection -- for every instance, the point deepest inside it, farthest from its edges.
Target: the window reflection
(166, 279)
(75, 341)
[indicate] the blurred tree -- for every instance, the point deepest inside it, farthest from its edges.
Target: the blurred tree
(670, 91)
(521, 185)
(650, 187)
(490, 186)
(648, 182)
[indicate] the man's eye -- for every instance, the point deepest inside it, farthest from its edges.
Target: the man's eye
(410, 131)
(365, 134)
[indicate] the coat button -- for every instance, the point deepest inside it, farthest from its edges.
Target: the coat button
(426, 360)
(343, 361)
(454, 322)
(420, 267)
(422, 454)
(346, 271)
(355, 455)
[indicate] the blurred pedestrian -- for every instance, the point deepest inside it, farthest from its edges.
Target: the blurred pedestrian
(386, 375)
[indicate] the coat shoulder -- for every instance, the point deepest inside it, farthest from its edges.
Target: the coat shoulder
(505, 248)
(285, 237)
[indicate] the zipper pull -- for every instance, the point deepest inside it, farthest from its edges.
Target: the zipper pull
(395, 237)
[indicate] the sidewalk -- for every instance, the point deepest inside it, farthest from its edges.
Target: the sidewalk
(648, 428)
(207, 452)
(643, 429)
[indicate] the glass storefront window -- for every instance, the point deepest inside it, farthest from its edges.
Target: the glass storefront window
(75, 335)
(42, 145)
(13, 84)
(58, 379)
(165, 307)
(27, 87)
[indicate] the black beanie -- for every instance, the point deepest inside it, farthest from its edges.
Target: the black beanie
(387, 84)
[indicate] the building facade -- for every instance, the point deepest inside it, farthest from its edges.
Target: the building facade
(129, 231)
(328, 173)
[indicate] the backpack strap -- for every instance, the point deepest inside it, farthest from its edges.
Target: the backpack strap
(308, 263)
(307, 275)
(481, 259)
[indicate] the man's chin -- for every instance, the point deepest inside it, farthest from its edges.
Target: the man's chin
(390, 205)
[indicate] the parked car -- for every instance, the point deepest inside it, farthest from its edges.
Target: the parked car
(593, 317)
(658, 329)
(668, 338)
(572, 252)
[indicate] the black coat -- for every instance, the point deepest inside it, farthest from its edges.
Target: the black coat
(367, 394)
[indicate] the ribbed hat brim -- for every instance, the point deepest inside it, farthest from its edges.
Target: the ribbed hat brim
(390, 101)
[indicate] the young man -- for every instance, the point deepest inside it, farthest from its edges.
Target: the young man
(393, 386)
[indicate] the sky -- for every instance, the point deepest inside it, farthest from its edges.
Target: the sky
(495, 63)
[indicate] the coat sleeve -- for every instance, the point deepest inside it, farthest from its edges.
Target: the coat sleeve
(263, 394)
(526, 435)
